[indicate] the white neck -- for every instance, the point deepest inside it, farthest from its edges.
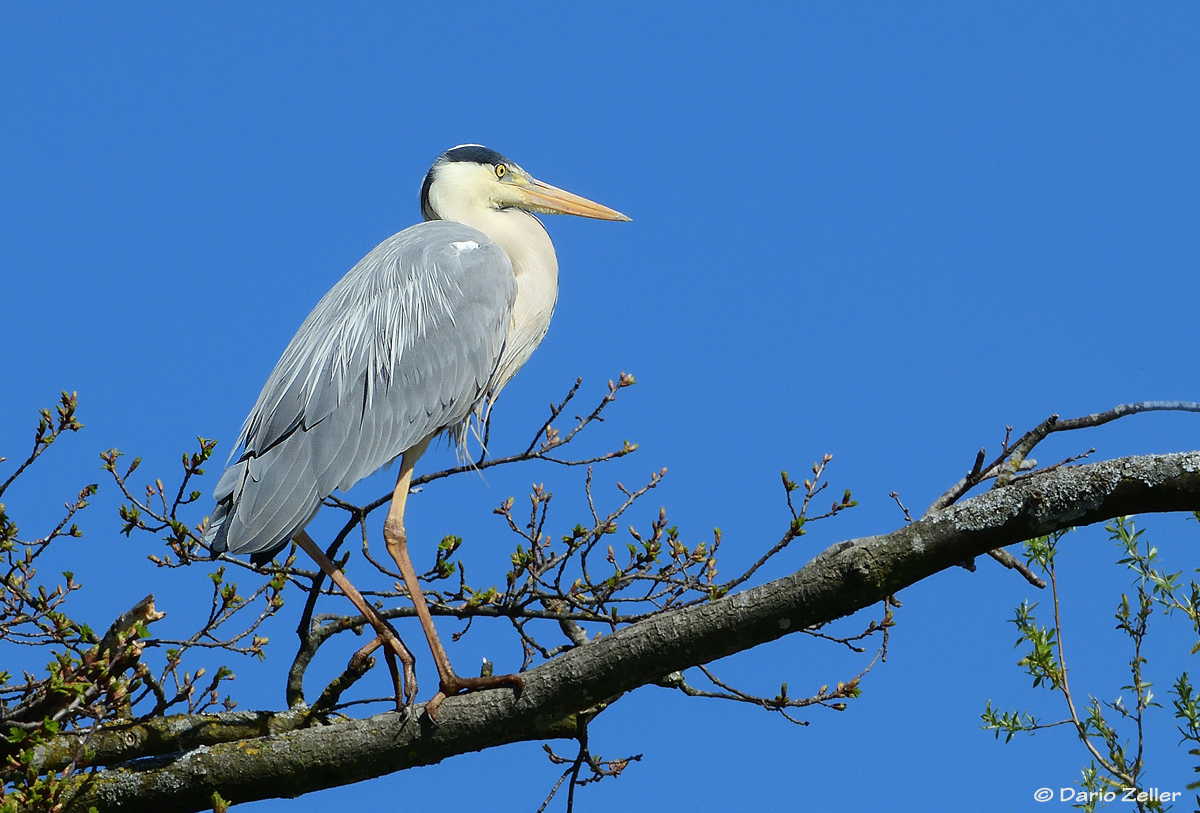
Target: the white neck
(528, 245)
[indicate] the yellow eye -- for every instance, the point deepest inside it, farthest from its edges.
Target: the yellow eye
(500, 170)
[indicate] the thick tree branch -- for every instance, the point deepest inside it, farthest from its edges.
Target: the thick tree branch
(844, 578)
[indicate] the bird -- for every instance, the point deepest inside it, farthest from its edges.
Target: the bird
(416, 341)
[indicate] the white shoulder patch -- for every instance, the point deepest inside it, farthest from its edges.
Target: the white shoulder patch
(464, 245)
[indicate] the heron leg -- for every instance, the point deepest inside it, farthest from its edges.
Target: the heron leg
(397, 545)
(406, 683)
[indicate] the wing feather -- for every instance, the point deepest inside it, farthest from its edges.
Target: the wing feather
(403, 347)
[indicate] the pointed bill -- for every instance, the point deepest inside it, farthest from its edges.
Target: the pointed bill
(542, 197)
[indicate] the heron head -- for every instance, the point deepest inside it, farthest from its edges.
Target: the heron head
(471, 177)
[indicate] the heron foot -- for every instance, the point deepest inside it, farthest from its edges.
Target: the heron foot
(456, 685)
(404, 677)
(403, 680)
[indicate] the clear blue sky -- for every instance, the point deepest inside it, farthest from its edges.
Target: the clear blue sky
(874, 230)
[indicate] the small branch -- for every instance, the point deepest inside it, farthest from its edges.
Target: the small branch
(117, 652)
(1066, 690)
(360, 663)
(1012, 563)
(895, 495)
(48, 430)
(1005, 467)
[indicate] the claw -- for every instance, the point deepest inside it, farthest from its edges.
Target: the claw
(456, 685)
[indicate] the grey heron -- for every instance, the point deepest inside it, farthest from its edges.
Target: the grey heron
(416, 340)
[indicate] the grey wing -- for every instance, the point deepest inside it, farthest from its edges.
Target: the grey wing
(404, 346)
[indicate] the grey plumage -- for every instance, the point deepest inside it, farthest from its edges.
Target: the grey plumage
(406, 345)
(418, 338)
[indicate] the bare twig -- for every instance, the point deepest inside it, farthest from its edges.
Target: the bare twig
(1013, 563)
(1005, 467)
(895, 495)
